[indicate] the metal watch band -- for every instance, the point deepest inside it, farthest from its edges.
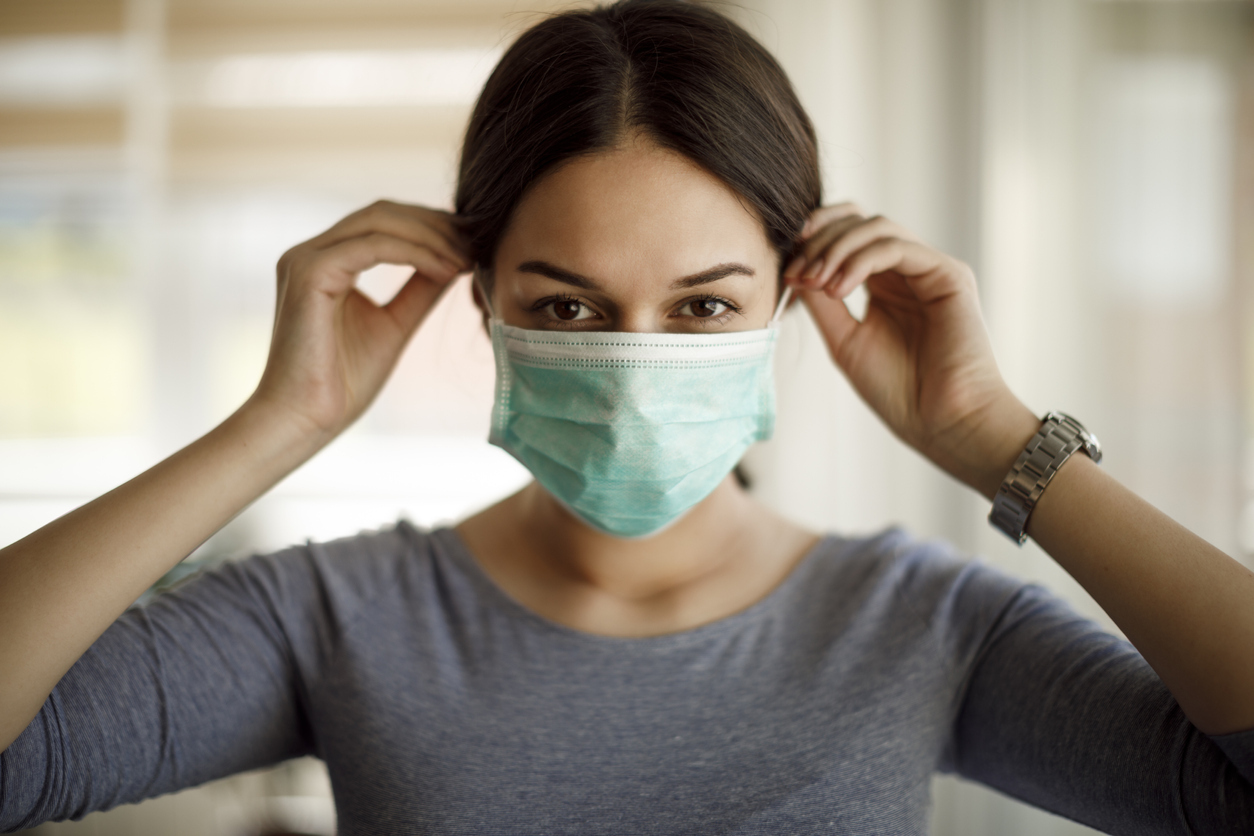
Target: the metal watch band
(1059, 436)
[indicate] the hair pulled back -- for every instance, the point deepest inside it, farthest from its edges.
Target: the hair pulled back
(685, 76)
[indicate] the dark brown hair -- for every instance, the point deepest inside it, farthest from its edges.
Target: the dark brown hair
(685, 76)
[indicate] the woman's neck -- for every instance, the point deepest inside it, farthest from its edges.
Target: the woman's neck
(721, 556)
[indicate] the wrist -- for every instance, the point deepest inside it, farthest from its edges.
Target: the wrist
(271, 433)
(989, 450)
(1058, 439)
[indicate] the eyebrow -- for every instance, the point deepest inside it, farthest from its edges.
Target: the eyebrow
(719, 271)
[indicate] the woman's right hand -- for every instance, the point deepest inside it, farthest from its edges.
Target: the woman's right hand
(332, 348)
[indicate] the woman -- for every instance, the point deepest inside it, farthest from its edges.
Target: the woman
(631, 643)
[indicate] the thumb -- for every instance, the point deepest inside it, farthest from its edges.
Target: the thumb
(411, 304)
(832, 316)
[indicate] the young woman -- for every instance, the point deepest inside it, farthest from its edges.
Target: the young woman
(632, 644)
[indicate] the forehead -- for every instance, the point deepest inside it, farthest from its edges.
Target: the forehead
(635, 205)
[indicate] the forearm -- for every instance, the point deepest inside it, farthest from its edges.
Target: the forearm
(921, 358)
(63, 585)
(1185, 605)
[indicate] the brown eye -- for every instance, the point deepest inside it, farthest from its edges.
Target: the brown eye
(706, 308)
(567, 309)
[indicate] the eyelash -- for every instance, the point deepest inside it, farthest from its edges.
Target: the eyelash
(705, 321)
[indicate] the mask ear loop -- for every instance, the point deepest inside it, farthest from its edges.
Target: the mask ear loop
(487, 297)
(783, 303)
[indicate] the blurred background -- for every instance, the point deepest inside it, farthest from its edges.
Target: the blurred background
(1094, 161)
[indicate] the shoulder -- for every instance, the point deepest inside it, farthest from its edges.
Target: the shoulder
(895, 581)
(362, 561)
(930, 575)
(333, 582)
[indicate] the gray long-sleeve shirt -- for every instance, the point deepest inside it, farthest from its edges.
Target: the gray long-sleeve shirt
(442, 706)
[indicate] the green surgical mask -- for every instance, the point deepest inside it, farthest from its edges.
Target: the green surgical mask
(629, 430)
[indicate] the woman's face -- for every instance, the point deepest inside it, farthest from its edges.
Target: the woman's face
(634, 239)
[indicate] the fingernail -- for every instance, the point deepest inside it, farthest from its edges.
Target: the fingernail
(813, 271)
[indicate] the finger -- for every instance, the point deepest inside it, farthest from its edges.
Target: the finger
(282, 272)
(930, 276)
(334, 270)
(411, 304)
(445, 223)
(857, 237)
(420, 225)
(835, 322)
(812, 260)
(417, 224)
(826, 214)
(818, 219)
(375, 233)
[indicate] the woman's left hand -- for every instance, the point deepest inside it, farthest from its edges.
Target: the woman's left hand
(921, 356)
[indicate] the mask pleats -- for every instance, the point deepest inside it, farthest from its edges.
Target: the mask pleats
(631, 430)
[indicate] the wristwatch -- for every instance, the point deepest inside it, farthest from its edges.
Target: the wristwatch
(1060, 436)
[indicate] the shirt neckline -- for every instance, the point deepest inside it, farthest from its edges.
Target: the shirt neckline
(465, 560)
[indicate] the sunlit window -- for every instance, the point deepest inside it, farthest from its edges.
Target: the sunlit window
(150, 177)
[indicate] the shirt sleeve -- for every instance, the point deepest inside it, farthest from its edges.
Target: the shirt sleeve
(201, 683)
(1060, 714)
